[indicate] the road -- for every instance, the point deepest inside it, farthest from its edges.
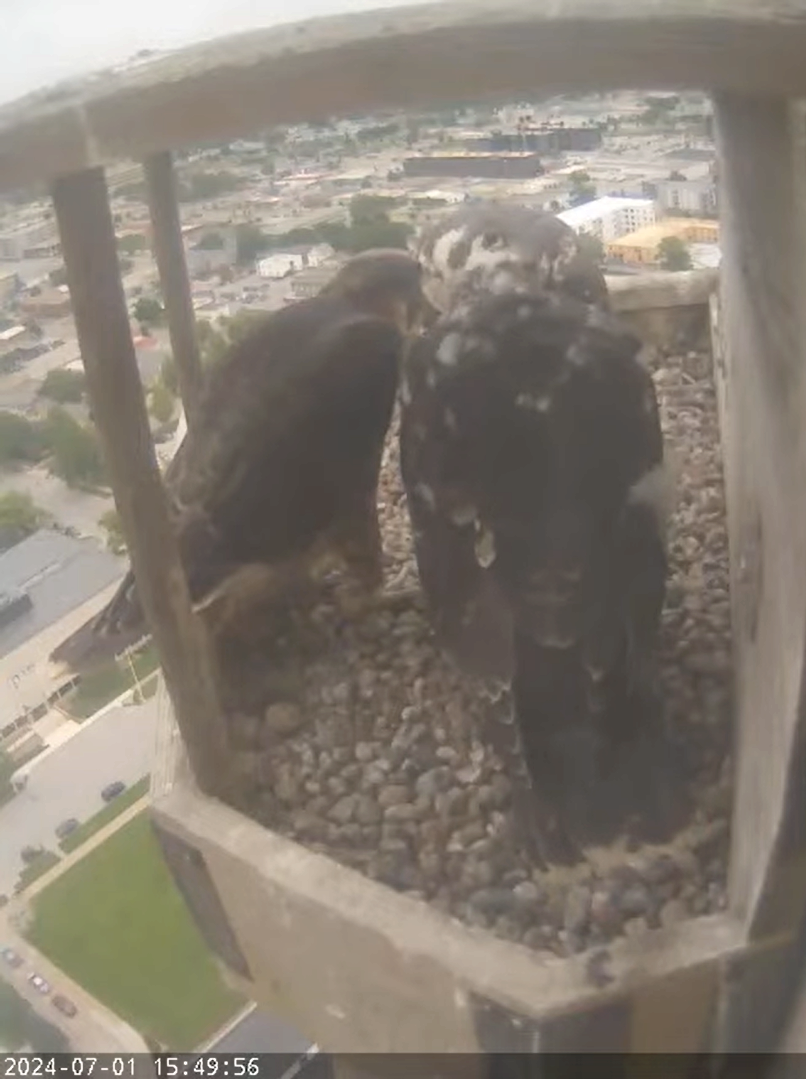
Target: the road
(117, 745)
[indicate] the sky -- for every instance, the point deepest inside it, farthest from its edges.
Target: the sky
(48, 40)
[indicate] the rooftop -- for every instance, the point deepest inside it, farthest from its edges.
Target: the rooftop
(58, 572)
(592, 211)
(651, 235)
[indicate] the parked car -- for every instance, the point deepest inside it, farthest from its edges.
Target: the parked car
(64, 829)
(11, 957)
(112, 790)
(65, 1006)
(39, 983)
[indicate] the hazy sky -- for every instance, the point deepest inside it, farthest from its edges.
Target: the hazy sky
(47, 40)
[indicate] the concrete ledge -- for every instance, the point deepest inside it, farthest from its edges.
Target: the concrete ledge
(402, 58)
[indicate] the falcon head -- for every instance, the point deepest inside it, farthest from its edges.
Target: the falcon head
(491, 248)
(385, 282)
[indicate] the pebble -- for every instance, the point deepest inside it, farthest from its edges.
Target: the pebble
(387, 771)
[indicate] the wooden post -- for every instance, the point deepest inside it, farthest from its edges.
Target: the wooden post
(170, 254)
(116, 395)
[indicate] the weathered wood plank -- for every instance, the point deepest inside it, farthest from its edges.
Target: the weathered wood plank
(171, 263)
(406, 57)
(762, 327)
(116, 395)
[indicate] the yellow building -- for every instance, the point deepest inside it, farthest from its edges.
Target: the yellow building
(641, 247)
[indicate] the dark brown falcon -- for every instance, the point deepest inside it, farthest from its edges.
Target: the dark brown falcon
(532, 457)
(278, 475)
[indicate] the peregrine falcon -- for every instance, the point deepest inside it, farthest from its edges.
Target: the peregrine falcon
(278, 477)
(532, 457)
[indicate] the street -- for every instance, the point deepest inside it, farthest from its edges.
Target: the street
(68, 783)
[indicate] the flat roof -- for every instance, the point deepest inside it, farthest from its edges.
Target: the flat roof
(670, 226)
(592, 211)
(408, 57)
(59, 573)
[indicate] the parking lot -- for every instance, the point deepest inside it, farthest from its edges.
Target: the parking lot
(68, 783)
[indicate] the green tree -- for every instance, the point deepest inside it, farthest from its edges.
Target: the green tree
(64, 386)
(132, 243)
(110, 523)
(673, 254)
(249, 242)
(77, 457)
(148, 310)
(21, 442)
(162, 403)
(19, 517)
(213, 344)
(370, 208)
(592, 246)
(211, 241)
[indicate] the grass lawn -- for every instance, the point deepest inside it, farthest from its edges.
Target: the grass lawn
(104, 816)
(102, 686)
(116, 924)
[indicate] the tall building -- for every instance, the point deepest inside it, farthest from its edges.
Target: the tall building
(610, 217)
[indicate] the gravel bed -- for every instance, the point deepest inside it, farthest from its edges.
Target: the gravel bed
(357, 739)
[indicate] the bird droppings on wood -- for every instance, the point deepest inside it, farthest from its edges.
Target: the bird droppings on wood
(358, 739)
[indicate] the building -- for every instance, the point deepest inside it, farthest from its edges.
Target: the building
(54, 583)
(309, 282)
(49, 303)
(514, 166)
(610, 217)
(641, 247)
(281, 263)
(689, 196)
(30, 240)
(9, 286)
(545, 140)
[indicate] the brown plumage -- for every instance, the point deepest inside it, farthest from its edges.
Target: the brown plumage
(278, 476)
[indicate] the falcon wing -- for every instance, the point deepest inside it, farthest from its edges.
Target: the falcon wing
(289, 438)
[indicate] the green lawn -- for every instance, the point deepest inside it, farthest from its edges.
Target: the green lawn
(116, 923)
(104, 816)
(102, 686)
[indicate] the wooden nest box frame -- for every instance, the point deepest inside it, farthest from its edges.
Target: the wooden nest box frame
(357, 966)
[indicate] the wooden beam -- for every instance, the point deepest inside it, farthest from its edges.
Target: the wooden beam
(170, 253)
(90, 256)
(763, 328)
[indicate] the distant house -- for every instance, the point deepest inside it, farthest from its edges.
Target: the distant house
(290, 260)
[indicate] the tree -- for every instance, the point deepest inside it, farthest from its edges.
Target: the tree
(211, 241)
(592, 246)
(249, 242)
(58, 277)
(110, 523)
(673, 254)
(148, 310)
(162, 403)
(64, 386)
(370, 208)
(21, 442)
(77, 457)
(132, 243)
(19, 517)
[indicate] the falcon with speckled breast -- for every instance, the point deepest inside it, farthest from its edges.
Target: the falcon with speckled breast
(532, 458)
(277, 478)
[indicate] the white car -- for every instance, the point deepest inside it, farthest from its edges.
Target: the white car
(39, 983)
